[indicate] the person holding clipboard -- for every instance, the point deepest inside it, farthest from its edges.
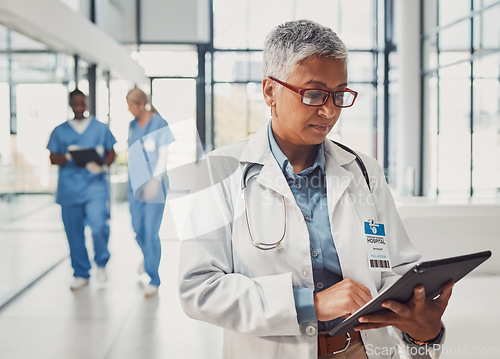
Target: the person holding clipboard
(83, 189)
(287, 233)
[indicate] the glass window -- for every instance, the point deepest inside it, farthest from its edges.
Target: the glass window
(4, 68)
(239, 112)
(244, 24)
(260, 22)
(454, 43)
(238, 66)
(34, 92)
(175, 100)
(454, 138)
(361, 67)
(452, 10)
(34, 67)
(486, 135)
(229, 24)
(230, 113)
(238, 100)
(325, 12)
(356, 23)
(463, 139)
(119, 117)
(479, 4)
(3, 38)
(102, 103)
(486, 148)
(355, 125)
(258, 112)
(487, 34)
(40, 108)
(487, 67)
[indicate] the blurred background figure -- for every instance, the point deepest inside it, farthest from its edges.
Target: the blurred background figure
(83, 191)
(149, 137)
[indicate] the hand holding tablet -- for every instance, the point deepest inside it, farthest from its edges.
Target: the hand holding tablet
(85, 155)
(432, 275)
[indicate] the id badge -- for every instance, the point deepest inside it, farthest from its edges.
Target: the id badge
(376, 247)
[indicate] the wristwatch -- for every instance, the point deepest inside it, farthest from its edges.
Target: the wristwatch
(423, 342)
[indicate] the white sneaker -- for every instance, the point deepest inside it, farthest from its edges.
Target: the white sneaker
(79, 283)
(141, 269)
(101, 275)
(150, 291)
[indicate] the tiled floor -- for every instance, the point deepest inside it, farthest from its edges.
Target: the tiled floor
(471, 319)
(115, 321)
(109, 321)
(32, 240)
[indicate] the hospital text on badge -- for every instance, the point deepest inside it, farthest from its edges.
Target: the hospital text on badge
(376, 246)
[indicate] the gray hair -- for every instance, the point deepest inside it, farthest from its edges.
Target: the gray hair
(292, 42)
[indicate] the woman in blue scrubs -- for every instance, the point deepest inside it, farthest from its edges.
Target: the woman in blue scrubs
(149, 137)
(83, 192)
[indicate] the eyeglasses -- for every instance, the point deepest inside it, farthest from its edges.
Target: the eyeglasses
(317, 97)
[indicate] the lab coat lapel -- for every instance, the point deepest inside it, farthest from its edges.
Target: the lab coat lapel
(258, 151)
(273, 178)
(338, 178)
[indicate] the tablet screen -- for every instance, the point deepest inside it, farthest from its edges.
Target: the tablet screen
(433, 275)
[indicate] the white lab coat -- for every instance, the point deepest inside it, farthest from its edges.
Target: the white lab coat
(226, 281)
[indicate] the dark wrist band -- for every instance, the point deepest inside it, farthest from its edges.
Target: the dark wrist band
(423, 342)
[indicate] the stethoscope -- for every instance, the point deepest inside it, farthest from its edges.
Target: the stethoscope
(256, 243)
(244, 184)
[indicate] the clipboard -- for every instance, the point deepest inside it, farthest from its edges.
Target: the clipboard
(83, 156)
(433, 275)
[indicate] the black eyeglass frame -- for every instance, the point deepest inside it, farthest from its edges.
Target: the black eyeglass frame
(330, 93)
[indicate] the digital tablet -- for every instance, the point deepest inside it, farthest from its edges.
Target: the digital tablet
(433, 275)
(83, 156)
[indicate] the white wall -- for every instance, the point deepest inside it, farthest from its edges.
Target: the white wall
(440, 230)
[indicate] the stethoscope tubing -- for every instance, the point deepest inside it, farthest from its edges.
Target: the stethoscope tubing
(256, 243)
(244, 181)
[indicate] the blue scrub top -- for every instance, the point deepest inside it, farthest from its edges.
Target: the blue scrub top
(144, 144)
(77, 185)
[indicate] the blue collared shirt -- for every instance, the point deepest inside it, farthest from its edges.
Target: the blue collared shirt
(309, 190)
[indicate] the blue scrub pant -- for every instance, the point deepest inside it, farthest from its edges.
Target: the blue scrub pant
(94, 213)
(146, 221)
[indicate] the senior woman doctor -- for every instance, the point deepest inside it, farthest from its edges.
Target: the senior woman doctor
(281, 268)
